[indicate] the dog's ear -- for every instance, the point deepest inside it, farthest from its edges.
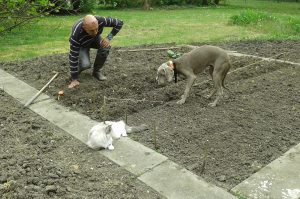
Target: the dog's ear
(165, 72)
(108, 129)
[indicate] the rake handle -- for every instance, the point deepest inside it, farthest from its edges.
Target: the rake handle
(38, 93)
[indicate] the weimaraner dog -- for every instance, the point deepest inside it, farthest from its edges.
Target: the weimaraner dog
(192, 63)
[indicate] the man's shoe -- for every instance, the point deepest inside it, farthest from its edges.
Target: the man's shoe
(99, 76)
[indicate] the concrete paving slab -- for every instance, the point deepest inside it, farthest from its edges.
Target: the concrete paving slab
(74, 123)
(278, 180)
(16, 88)
(134, 156)
(176, 182)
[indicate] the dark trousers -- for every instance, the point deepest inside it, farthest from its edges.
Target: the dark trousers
(84, 55)
(84, 58)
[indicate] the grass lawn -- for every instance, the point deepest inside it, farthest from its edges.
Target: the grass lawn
(50, 34)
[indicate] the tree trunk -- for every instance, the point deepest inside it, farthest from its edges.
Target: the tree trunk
(146, 5)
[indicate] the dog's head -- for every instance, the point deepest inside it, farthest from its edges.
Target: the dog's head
(165, 74)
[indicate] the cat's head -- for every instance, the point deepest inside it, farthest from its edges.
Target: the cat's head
(100, 137)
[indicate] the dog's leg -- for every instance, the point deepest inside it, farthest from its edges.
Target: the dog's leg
(218, 77)
(190, 80)
(211, 70)
(212, 93)
(220, 95)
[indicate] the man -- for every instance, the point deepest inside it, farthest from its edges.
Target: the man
(86, 34)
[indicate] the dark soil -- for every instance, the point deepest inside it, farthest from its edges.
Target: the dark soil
(38, 160)
(255, 123)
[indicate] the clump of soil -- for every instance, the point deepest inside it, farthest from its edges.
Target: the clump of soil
(255, 123)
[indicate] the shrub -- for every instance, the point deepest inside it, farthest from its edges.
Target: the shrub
(140, 3)
(88, 5)
(294, 25)
(250, 17)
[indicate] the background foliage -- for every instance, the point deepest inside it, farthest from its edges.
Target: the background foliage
(155, 3)
(235, 20)
(16, 13)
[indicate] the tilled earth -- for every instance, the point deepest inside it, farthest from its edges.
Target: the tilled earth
(38, 160)
(256, 122)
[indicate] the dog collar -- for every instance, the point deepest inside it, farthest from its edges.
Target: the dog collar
(171, 65)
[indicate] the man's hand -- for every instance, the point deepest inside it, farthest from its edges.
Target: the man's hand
(74, 83)
(104, 43)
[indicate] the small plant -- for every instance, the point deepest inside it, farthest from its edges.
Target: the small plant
(173, 55)
(154, 136)
(104, 109)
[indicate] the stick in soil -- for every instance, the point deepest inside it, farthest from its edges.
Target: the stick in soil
(202, 169)
(155, 136)
(104, 109)
(126, 114)
(147, 49)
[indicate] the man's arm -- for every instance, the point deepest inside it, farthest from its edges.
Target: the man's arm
(116, 25)
(74, 57)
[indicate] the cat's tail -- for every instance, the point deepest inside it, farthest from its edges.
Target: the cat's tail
(136, 129)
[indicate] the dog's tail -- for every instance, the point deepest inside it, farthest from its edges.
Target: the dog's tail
(136, 129)
(225, 73)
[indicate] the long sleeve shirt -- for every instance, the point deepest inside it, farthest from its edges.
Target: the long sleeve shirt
(79, 38)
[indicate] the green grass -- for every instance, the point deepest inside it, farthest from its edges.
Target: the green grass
(251, 17)
(236, 21)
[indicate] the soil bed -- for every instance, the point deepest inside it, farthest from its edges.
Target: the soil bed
(38, 160)
(254, 124)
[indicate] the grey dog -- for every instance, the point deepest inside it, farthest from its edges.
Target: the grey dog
(194, 62)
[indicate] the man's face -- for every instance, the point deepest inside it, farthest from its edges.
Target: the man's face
(91, 28)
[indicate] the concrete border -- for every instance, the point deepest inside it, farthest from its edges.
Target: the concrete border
(278, 180)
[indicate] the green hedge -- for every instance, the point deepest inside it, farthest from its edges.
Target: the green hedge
(140, 3)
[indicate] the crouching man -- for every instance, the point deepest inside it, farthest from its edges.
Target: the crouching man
(86, 34)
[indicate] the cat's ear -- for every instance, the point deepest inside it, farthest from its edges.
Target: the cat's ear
(108, 129)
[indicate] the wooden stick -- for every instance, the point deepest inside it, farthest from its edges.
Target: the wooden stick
(36, 95)
(134, 100)
(155, 135)
(104, 109)
(147, 49)
(241, 68)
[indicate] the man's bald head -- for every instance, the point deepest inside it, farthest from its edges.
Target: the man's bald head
(90, 25)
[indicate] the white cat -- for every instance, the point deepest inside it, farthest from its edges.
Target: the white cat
(101, 135)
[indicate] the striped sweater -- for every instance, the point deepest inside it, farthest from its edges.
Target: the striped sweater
(79, 38)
